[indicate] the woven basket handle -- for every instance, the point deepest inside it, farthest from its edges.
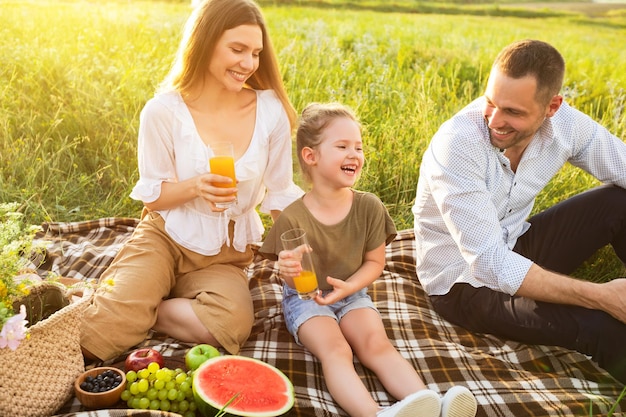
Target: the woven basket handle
(76, 288)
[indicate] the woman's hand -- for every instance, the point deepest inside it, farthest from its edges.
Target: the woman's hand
(205, 189)
(175, 194)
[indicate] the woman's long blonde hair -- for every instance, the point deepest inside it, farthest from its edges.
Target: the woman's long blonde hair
(209, 20)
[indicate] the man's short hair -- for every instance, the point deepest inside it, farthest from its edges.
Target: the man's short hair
(535, 58)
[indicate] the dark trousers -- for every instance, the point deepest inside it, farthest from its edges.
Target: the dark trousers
(560, 239)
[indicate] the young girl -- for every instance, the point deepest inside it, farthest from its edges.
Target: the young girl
(347, 231)
(182, 271)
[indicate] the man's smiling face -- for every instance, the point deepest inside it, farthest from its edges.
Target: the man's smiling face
(512, 111)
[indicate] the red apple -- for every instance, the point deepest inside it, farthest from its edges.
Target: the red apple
(141, 358)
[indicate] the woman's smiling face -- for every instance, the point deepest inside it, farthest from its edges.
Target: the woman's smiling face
(236, 56)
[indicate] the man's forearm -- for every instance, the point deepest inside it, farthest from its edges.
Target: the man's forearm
(543, 285)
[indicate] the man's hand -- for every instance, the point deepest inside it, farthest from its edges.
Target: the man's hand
(610, 297)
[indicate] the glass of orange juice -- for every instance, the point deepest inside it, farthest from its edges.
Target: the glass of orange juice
(222, 162)
(306, 282)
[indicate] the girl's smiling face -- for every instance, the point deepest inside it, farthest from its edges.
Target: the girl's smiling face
(339, 157)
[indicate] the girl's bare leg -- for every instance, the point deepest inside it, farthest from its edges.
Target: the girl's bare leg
(364, 331)
(323, 337)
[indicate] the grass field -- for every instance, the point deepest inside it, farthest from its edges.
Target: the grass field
(76, 74)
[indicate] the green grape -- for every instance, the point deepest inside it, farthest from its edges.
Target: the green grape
(161, 375)
(162, 394)
(134, 388)
(155, 405)
(180, 378)
(172, 394)
(183, 406)
(135, 403)
(131, 376)
(144, 403)
(163, 389)
(152, 393)
(159, 384)
(125, 395)
(185, 387)
(143, 385)
(153, 367)
(165, 405)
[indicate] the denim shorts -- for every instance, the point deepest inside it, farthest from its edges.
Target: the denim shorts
(297, 311)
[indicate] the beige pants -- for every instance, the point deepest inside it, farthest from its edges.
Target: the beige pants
(152, 267)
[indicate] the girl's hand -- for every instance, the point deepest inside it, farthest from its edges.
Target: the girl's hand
(289, 266)
(341, 289)
(289, 263)
(211, 194)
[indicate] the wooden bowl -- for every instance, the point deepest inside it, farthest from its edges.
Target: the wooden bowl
(99, 399)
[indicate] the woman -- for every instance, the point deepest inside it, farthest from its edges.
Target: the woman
(182, 271)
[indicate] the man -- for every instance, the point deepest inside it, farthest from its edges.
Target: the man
(485, 265)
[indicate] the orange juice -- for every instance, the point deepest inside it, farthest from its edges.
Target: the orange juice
(223, 165)
(306, 282)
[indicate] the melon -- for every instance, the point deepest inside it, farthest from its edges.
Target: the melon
(256, 388)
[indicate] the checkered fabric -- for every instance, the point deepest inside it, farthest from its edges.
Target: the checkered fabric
(507, 378)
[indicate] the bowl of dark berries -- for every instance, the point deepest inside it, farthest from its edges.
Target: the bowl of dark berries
(100, 387)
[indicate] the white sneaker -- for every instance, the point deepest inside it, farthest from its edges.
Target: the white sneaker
(458, 402)
(423, 403)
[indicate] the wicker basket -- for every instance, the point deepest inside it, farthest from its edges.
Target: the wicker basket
(37, 378)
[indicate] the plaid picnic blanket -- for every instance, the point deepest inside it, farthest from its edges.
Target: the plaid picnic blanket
(507, 378)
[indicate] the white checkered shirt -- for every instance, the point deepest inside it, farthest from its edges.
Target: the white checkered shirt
(471, 208)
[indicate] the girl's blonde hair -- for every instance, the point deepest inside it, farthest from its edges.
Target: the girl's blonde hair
(208, 21)
(314, 119)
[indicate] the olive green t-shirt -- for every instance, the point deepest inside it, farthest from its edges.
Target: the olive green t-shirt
(338, 249)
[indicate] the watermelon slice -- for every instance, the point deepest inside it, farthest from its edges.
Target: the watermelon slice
(243, 386)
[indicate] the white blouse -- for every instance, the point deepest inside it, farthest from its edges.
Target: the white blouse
(170, 149)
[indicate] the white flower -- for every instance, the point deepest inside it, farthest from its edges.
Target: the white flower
(14, 330)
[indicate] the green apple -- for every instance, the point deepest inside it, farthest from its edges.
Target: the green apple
(198, 354)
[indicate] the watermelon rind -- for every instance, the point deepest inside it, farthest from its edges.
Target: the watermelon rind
(250, 381)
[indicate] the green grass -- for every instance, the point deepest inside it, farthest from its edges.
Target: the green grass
(76, 74)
